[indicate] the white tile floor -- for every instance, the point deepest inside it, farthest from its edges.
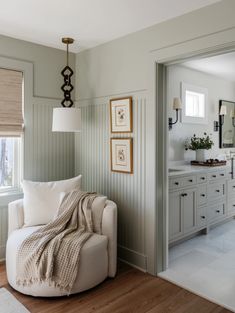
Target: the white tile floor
(205, 265)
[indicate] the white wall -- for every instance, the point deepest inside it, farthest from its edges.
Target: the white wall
(218, 89)
(120, 68)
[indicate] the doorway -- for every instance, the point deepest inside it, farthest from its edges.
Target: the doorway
(163, 211)
(157, 172)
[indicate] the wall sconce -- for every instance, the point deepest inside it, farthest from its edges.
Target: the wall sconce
(177, 105)
(232, 115)
(222, 113)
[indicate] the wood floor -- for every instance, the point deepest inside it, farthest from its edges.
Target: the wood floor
(131, 291)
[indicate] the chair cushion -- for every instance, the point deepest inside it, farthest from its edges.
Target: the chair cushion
(41, 200)
(93, 267)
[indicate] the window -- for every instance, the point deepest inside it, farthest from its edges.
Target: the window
(10, 162)
(194, 100)
(11, 129)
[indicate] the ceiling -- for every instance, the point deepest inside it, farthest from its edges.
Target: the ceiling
(89, 22)
(222, 66)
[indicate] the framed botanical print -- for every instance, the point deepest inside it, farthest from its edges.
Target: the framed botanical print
(121, 115)
(122, 155)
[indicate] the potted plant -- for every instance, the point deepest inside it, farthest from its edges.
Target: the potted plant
(200, 145)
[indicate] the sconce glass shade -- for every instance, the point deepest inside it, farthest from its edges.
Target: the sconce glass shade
(66, 120)
(177, 105)
(223, 110)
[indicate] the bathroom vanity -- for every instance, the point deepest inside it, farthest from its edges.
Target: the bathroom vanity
(199, 197)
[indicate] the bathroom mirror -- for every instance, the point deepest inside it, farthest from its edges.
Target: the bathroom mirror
(226, 124)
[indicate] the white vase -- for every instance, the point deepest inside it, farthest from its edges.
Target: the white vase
(201, 155)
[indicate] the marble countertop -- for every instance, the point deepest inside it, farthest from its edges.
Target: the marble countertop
(178, 170)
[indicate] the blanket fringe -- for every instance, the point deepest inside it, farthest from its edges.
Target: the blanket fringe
(51, 282)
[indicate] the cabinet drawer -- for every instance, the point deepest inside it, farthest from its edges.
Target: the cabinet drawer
(189, 181)
(201, 178)
(201, 217)
(202, 195)
(231, 207)
(216, 191)
(216, 211)
(180, 182)
(214, 176)
(176, 183)
(231, 189)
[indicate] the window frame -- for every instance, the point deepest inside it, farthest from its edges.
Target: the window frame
(17, 167)
(196, 89)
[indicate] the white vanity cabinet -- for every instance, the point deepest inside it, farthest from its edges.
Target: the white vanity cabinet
(198, 200)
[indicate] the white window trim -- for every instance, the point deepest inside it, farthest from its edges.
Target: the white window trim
(18, 170)
(189, 119)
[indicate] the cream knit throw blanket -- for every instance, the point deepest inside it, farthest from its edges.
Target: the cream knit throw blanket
(51, 254)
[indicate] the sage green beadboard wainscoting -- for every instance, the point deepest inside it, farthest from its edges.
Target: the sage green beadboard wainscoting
(92, 150)
(52, 153)
(3, 231)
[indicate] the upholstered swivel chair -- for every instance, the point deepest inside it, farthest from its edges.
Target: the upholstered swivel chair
(97, 260)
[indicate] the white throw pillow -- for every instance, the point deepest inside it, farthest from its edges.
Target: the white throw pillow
(41, 200)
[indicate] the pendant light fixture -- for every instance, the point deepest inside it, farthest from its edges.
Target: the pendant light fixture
(67, 118)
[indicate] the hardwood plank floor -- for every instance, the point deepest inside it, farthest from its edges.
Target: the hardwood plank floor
(131, 291)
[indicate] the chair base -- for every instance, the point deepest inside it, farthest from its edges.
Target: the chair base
(93, 266)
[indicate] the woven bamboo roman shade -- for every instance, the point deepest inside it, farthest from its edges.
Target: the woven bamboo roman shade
(11, 112)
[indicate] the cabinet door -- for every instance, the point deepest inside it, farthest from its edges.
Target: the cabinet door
(189, 210)
(175, 215)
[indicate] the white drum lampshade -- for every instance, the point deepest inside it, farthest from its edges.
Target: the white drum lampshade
(66, 120)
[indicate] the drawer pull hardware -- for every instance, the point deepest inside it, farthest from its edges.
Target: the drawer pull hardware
(233, 204)
(217, 211)
(203, 195)
(190, 180)
(176, 183)
(233, 186)
(203, 217)
(203, 178)
(214, 176)
(217, 190)
(184, 195)
(221, 174)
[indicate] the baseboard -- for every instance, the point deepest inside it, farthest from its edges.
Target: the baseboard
(126, 255)
(132, 258)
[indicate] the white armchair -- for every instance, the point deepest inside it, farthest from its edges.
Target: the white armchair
(98, 255)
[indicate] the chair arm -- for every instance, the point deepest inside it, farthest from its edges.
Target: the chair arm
(109, 229)
(15, 215)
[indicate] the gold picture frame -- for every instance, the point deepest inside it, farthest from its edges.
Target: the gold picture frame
(121, 119)
(121, 155)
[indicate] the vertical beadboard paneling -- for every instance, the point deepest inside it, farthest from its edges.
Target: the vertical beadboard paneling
(92, 160)
(3, 231)
(50, 156)
(53, 153)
